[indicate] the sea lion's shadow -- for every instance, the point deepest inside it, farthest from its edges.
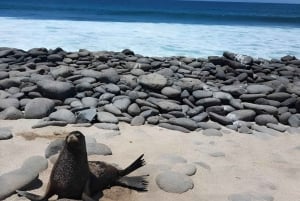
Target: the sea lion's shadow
(34, 184)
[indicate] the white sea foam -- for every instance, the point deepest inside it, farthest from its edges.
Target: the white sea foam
(151, 39)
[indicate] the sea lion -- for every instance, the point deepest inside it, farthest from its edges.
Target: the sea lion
(104, 176)
(70, 174)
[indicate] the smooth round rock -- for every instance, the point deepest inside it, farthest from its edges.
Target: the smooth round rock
(55, 89)
(174, 182)
(259, 89)
(264, 119)
(38, 108)
(89, 102)
(19, 178)
(187, 169)
(122, 103)
(107, 126)
(63, 115)
(171, 92)
(134, 109)
(168, 106)
(137, 121)
(184, 122)
(9, 102)
(5, 134)
(112, 109)
(106, 117)
(11, 113)
(244, 115)
(153, 81)
(98, 149)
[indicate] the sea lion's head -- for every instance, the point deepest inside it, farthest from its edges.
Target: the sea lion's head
(75, 141)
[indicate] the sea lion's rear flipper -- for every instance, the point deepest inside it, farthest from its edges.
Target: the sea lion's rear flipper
(31, 196)
(135, 165)
(138, 183)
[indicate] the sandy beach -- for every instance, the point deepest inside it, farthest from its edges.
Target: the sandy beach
(227, 167)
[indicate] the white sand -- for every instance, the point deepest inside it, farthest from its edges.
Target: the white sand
(261, 167)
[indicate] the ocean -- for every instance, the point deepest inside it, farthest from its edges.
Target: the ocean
(153, 27)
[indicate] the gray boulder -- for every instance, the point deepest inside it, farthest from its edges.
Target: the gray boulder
(55, 89)
(153, 81)
(174, 182)
(38, 108)
(63, 115)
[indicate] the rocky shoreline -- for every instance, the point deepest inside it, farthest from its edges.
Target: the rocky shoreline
(103, 88)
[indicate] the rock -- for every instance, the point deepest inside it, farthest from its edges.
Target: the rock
(261, 108)
(264, 119)
(86, 116)
(244, 115)
(200, 117)
(153, 81)
(264, 129)
(174, 182)
(137, 121)
(279, 96)
(54, 147)
(219, 118)
(63, 115)
(207, 102)
(208, 125)
(173, 127)
(222, 95)
(55, 89)
(259, 89)
(112, 109)
(189, 84)
(294, 120)
(153, 120)
(198, 94)
(109, 75)
(106, 117)
(212, 132)
(9, 102)
(61, 71)
(112, 88)
(38, 108)
(184, 122)
(55, 57)
(168, 106)
(134, 109)
(244, 129)
(293, 130)
(9, 82)
(5, 134)
(278, 127)
(19, 178)
(11, 113)
(187, 169)
(89, 102)
(122, 103)
(43, 123)
(98, 149)
(107, 126)
(171, 92)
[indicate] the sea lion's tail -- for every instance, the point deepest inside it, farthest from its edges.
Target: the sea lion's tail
(135, 165)
(138, 183)
(31, 196)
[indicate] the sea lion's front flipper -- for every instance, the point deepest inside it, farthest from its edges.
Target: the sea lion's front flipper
(138, 183)
(31, 196)
(86, 194)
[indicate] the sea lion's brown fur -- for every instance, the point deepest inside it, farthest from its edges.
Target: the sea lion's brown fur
(70, 174)
(104, 176)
